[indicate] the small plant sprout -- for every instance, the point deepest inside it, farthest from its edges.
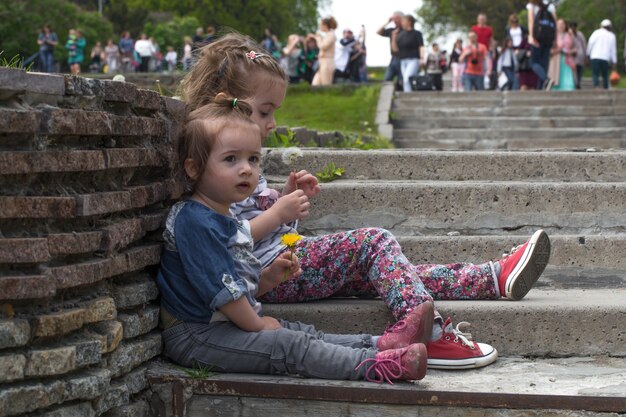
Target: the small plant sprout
(329, 173)
(290, 240)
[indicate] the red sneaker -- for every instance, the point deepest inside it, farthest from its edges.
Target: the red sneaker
(455, 350)
(521, 269)
(415, 328)
(407, 363)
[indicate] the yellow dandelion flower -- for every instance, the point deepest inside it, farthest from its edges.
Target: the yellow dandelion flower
(290, 239)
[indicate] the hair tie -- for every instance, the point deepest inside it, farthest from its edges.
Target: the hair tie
(234, 103)
(254, 55)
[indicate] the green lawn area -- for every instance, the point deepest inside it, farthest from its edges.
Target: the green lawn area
(346, 108)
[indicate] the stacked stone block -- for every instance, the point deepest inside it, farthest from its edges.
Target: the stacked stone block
(86, 180)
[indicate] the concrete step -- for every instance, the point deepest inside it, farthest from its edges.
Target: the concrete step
(569, 133)
(616, 94)
(546, 323)
(402, 112)
(515, 98)
(461, 103)
(470, 207)
(503, 122)
(604, 254)
(412, 164)
(579, 144)
(510, 387)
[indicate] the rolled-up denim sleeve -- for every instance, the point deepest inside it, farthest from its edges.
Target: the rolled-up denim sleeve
(208, 264)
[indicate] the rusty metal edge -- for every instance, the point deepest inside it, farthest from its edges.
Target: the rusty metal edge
(178, 399)
(404, 397)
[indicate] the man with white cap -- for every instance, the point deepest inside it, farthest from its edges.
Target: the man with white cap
(602, 51)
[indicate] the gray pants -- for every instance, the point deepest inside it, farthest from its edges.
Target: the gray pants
(297, 348)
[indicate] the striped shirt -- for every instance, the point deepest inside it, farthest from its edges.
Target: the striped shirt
(268, 248)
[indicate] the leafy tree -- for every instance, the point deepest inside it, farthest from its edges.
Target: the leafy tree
(439, 17)
(250, 17)
(124, 17)
(171, 33)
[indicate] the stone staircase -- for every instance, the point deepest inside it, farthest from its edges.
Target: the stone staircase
(511, 120)
(561, 348)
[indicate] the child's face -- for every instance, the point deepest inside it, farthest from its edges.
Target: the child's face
(232, 171)
(268, 97)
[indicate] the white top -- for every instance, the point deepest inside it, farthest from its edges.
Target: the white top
(187, 51)
(534, 8)
(602, 45)
(342, 55)
(171, 56)
(516, 36)
(144, 47)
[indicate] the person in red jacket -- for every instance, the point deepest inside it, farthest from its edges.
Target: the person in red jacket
(483, 31)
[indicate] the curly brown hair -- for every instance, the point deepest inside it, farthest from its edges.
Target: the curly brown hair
(201, 129)
(330, 22)
(227, 66)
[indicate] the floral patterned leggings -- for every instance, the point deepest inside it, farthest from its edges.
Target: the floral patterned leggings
(369, 262)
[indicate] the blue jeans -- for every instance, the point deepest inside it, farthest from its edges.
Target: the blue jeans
(393, 70)
(600, 67)
(513, 83)
(539, 60)
(473, 82)
(47, 60)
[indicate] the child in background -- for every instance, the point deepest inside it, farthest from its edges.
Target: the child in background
(171, 57)
(456, 67)
(508, 65)
(209, 279)
(366, 262)
(433, 66)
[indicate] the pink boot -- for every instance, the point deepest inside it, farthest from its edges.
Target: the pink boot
(415, 328)
(408, 363)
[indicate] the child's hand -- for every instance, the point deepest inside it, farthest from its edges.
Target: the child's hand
(290, 207)
(270, 323)
(308, 183)
(304, 181)
(274, 274)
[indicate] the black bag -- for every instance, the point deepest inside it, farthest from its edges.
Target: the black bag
(544, 29)
(421, 83)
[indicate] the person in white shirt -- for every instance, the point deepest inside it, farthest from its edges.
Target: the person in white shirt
(602, 51)
(145, 48)
(171, 57)
(343, 49)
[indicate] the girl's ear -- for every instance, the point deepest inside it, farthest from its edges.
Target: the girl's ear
(221, 95)
(190, 169)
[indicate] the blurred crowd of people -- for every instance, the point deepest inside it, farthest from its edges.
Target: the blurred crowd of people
(548, 53)
(316, 58)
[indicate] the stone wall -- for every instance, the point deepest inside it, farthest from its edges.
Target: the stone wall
(85, 171)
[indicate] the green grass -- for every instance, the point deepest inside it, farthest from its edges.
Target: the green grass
(345, 108)
(17, 62)
(198, 371)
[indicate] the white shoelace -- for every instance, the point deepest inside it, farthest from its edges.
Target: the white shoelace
(512, 251)
(464, 337)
